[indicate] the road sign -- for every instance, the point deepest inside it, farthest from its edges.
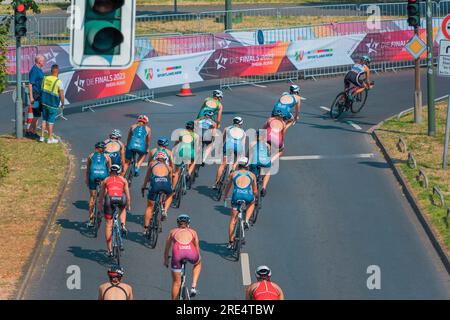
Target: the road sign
(415, 46)
(445, 27)
(444, 58)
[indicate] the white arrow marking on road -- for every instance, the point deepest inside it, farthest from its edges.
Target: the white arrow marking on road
(325, 108)
(245, 265)
(354, 125)
(318, 157)
(159, 102)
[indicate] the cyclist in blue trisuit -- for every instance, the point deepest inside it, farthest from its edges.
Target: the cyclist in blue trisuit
(98, 164)
(244, 188)
(260, 157)
(287, 101)
(233, 146)
(115, 148)
(208, 128)
(138, 141)
(160, 176)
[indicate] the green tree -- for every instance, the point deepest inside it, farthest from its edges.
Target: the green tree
(5, 35)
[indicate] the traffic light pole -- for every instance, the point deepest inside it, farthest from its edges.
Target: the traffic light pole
(417, 90)
(227, 20)
(19, 107)
(430, 71)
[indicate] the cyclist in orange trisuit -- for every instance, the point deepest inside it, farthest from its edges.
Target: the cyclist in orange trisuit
(359, 76)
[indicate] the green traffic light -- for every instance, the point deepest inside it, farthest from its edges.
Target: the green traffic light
(103, 36)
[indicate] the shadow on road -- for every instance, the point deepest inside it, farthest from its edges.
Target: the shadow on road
(136, 237)
(75, 225)
(375, 164)
(216, 248)
(135, 218)
(98, 256)
(223, 210)
(204, 190)
(81, 204)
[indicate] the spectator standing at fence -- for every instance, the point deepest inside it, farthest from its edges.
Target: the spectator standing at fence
(35, 76)
(52, 98)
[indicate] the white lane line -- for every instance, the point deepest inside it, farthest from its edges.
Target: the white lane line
(159, 102)
(245, 265)
(302, 98)
(83, 167)
(318, 157)
(325, 108)
(354, 125)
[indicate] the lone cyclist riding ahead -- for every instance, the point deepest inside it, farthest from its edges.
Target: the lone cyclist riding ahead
(359, 76)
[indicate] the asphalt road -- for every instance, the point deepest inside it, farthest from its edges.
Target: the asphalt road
(323, 222)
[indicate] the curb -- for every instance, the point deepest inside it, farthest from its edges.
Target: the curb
(43, 233)
(413, 201)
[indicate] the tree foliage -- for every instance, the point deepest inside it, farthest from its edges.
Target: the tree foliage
(5, 35)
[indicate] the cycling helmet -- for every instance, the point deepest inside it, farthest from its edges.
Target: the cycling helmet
(115, 272)
(238, 120)
(142, 118)
(209, 113)
(100, 145)
(161, 156)
(115, 168)
(263, 272)
(163, 141)
(277, 113)
(366, 59)
(115, 134)
(183, 218)
(294, 89)
(243, 161)
(218, 94)
(190, 125)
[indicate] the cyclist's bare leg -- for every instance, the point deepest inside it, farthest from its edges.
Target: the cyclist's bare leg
(176, 175)
(168, 202)
(220, 169)
(249, 211)
(91, 203)
(207, 152)
(176, 284)
(123, 216)
(196, 273)
(148, 212)
(108, 234)
(266, 180)
(191, 168)
(233, 220)
(140, 161)
(125, 166)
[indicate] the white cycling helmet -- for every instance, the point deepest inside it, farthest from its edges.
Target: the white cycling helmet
(243, 161)
(218, 94)
(238, 120)
(263, 272)
(294, 89)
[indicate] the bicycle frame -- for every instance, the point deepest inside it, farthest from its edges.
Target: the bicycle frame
(183, 287)
(117, 241)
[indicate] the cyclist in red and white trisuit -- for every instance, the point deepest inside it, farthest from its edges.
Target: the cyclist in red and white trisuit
(185, 246)
(114, 191)
(263, 288)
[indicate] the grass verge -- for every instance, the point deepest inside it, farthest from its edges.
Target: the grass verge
(35, 172)
(428, 154)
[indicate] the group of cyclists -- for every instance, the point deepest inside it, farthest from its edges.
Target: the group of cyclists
(107, 165)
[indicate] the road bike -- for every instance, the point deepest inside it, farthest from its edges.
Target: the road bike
(181, 187)
(117, 236)
(184, 291)
(239, 232)
(222, 182)
(131, 168)
(155, 226)
(349, 100)
(258, 198)
(97, 216)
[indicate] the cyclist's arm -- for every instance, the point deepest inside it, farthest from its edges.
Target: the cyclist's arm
(297, 108)
(171, 175)
(249, 291)
(219, 115)
(172, 163)
(224, 136)
(279, 291)
(147, 176)
(108, 161)
(147, 139)
(130, 295)
(127, 193)
(196, 241)
(254, 185)
(367, 77)
(130, 133)
(88, 168)
(100, 293)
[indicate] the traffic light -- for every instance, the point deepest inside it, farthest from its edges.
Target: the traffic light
(102, 33)
(20, 20)
(413, 9)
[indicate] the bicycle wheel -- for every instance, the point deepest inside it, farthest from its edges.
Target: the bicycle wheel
(132, 168)
(338, 106)
(177, 195)
(237, 244)
(255, 212)
(116, 244)
(154, 226)
(221, 185)
(359, 102)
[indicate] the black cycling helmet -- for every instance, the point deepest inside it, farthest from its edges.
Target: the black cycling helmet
(190, 125)
(100, 145)
(115, 168)
(115, 272)
(163, 141)
(263, 272)
(184, 218)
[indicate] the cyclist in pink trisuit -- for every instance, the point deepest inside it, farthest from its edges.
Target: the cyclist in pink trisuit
(185, 246)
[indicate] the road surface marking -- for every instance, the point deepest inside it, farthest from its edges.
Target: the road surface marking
(245, 265)
(318, 157)
(84, 160)
(302, 98)
(83, 167)
(325, 108)
(354, 125)
(159, 102)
